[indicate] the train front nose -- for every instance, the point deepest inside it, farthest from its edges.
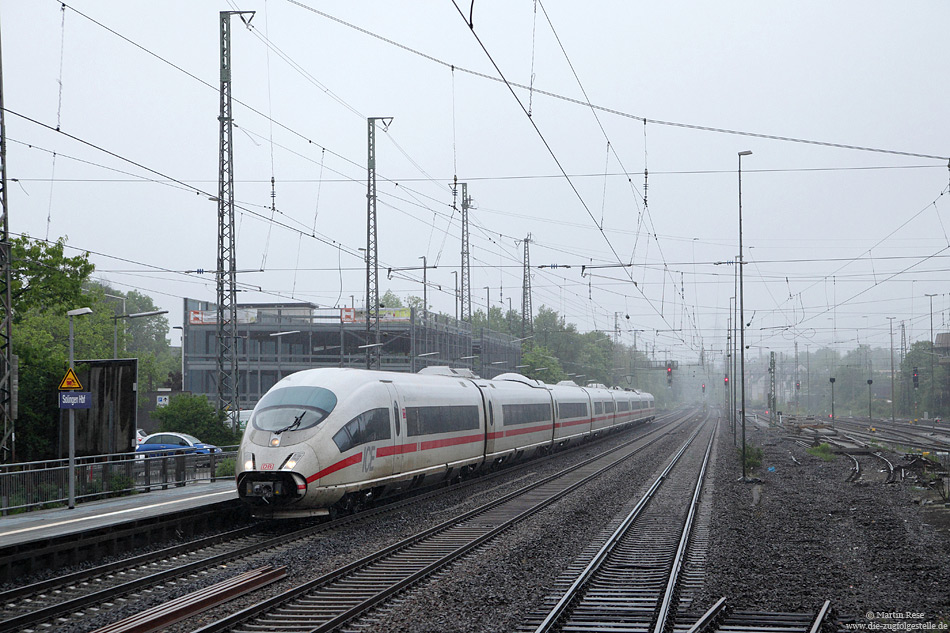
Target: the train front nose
(264, 482)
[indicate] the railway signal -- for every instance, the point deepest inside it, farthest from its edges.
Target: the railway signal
(669, 374)
(916, 379)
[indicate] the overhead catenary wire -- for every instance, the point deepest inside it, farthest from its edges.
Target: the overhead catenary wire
(620, 113)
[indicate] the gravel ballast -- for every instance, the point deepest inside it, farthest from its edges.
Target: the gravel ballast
(801, 534)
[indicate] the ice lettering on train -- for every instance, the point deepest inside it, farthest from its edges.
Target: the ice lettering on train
(369, 457)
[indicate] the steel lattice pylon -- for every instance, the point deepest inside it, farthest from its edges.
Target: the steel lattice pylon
(527, 327)
(226, 268)
(7, 403)
(466, 273)
(372, 259)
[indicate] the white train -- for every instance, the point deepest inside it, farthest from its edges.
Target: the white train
(336, 438)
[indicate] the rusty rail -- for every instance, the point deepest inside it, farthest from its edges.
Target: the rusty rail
(163, 615)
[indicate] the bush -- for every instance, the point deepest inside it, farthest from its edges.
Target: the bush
(822, 451)
(225, 468)
(193, 414)
(121, 485)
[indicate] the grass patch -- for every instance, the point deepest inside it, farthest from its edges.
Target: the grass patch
(753, 456)
(822, 451)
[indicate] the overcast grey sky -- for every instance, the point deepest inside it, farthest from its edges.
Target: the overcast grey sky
(836, 239)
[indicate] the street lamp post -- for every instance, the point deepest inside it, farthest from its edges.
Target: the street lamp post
(870, 419)
(832, 380)
(455, 274)
(485, 356)
(742, 315)
(182, 328)
(72, 412)
(933, 404)
(115, 327)
(893, 395)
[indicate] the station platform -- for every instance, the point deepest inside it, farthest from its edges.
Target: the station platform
(47, 539)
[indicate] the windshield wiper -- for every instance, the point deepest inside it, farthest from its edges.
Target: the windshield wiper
(292, 425)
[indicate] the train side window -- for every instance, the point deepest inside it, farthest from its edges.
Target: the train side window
(371, 426)
(396, 413)
(598, 408)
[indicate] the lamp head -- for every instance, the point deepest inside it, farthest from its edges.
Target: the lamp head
(747, 152)
(79, 311)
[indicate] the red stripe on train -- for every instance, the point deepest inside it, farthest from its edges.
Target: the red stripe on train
(349, 461)
(399, 449)
(532, 429)
(452, 441)
(560, 425)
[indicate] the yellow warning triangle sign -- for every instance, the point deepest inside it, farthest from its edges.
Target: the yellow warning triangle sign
(70, 381)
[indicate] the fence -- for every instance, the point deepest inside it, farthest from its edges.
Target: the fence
(37, 485)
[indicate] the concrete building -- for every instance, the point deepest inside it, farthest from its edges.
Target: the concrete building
(277, 339)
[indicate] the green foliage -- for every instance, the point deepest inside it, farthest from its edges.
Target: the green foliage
(43, 277)
(753, 456)
(542, 365)
(194, 414)
(225, 468)
(391, 300)
(822, 451)
(121, 485)
(46, 284)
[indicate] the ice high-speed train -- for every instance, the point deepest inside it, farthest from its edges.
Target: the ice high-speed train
(335, 438)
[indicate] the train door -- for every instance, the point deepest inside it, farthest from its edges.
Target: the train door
(492, 425)
(398, 427)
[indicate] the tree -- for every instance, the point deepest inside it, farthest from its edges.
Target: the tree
(542, 365)
(45, 284)
(143, 338)
(390, 300)
(43, 277)
(195, 415)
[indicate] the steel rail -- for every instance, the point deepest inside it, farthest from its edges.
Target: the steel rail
(820, 617)
(569, 596)
(707, 619)
(165, 614)
(662, 619)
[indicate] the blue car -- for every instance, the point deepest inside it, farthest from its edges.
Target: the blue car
(174, 443)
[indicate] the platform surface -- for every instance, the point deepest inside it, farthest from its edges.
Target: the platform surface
(57, 522)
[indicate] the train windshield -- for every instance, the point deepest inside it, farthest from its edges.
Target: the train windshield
(293, 409)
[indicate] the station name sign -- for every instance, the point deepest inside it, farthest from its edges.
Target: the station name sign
(75, 399)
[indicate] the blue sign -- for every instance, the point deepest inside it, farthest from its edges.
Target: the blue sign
(75, 399)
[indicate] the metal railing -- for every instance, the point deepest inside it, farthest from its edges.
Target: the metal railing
(31, 486)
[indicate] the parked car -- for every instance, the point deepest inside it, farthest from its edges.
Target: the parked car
(139, 436)
(172, 443)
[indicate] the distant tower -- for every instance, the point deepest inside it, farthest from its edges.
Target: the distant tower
(527, 328)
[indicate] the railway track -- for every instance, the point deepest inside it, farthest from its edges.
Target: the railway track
(69, 598)
(721, 618)
(340, 598)
(633, 581)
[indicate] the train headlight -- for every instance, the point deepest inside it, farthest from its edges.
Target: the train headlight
(291, 461)
(275, 441)
(248, 461)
